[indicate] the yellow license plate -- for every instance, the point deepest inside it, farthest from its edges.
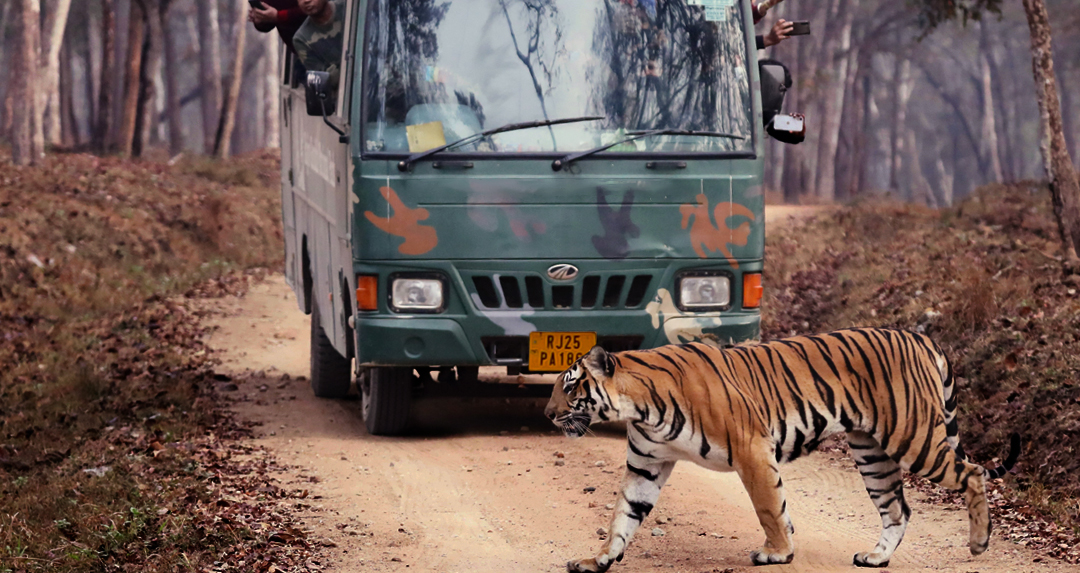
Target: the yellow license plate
(556, 351)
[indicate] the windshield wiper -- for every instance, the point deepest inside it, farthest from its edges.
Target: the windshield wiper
(406, 163)
(567, 160)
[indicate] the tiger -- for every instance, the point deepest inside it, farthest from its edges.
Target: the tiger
(751, 407)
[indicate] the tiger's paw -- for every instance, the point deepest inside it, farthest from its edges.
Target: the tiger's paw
(589, 565)
(864, 559)
(766, 557)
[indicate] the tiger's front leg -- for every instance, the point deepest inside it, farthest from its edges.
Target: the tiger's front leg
(640, 490)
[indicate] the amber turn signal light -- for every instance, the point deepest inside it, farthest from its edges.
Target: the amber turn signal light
(751, 290)
(367, 292)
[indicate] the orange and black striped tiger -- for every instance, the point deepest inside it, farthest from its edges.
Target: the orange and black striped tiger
(749, 408)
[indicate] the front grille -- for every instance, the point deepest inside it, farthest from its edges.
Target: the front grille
(607, 291)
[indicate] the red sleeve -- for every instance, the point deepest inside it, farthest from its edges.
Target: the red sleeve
(757, 14)
(289, 15)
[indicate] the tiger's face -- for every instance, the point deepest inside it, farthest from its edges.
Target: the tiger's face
(581, 396)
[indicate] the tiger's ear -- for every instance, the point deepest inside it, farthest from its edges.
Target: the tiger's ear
(599, 363)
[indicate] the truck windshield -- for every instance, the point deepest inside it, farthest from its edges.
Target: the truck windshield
(439, 70)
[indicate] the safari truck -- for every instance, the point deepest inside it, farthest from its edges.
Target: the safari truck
(509, 183)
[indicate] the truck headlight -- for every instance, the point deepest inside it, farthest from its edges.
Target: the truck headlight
(416, 294)
(704, 292)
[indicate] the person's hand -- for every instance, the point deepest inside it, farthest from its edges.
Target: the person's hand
(781, 31)
(265, 16)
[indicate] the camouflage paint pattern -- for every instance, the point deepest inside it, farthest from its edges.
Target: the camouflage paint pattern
(402, 221)
(709, 236)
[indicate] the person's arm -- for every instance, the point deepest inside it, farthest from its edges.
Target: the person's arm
(265, 19)
(760, 41)
(301, 48)
(780, 32)
(758, 14)
(291, 16)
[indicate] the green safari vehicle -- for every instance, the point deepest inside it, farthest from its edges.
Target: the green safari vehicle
(510, 182)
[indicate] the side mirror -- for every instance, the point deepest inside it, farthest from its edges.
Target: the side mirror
(317, 93)
(775, 82)
(319, 98)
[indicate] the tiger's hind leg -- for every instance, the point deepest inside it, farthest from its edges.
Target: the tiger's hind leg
(886, 488)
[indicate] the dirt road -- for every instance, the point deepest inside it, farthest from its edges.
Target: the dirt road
(478, 486)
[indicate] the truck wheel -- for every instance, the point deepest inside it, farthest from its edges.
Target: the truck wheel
(386, 393)
(330, 371)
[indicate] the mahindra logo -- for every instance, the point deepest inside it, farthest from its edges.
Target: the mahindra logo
(562, 272)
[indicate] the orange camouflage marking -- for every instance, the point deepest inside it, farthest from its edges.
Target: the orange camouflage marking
(707, 236)
(405, 222)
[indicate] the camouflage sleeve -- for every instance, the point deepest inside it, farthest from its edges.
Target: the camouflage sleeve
(300, 44)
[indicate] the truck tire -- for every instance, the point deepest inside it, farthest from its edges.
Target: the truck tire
(330, 371)
(385, 395)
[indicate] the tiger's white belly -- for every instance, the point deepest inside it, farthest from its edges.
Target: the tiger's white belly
(686, 446)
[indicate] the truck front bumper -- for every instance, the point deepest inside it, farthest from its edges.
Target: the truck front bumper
(415, 341)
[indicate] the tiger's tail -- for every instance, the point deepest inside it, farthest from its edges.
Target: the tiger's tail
(952, 429)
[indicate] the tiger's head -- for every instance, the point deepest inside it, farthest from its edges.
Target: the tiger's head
(583, 394)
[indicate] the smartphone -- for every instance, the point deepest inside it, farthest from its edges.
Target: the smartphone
(788, 122)
(800, 29)
(257, 4)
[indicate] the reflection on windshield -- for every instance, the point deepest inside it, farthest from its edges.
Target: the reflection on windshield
(438, 70)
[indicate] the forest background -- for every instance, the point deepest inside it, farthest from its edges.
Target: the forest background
(893, 103)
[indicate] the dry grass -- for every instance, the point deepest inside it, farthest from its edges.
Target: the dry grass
(101, 372)
(980, 279)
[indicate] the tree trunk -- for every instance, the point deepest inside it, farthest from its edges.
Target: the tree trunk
(103, 125)
(92, 56)
(223, 141)
(988, 139)
(9, 51)
(916, 178)
(272, 92)
(866, 133)
(945, 182)
(52, 39)
(27, 139)
(902, 85)
(852, 126)
(832, 104)
(793, 178)
(1068, 116)
(209, 69)
(1002, 109)
(136, 31)
(69, 125)
(172, 82)
(816, 59)
(146, 115)
(1064, 187)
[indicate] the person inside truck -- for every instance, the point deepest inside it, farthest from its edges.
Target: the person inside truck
(281, 15)
(320, 39)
